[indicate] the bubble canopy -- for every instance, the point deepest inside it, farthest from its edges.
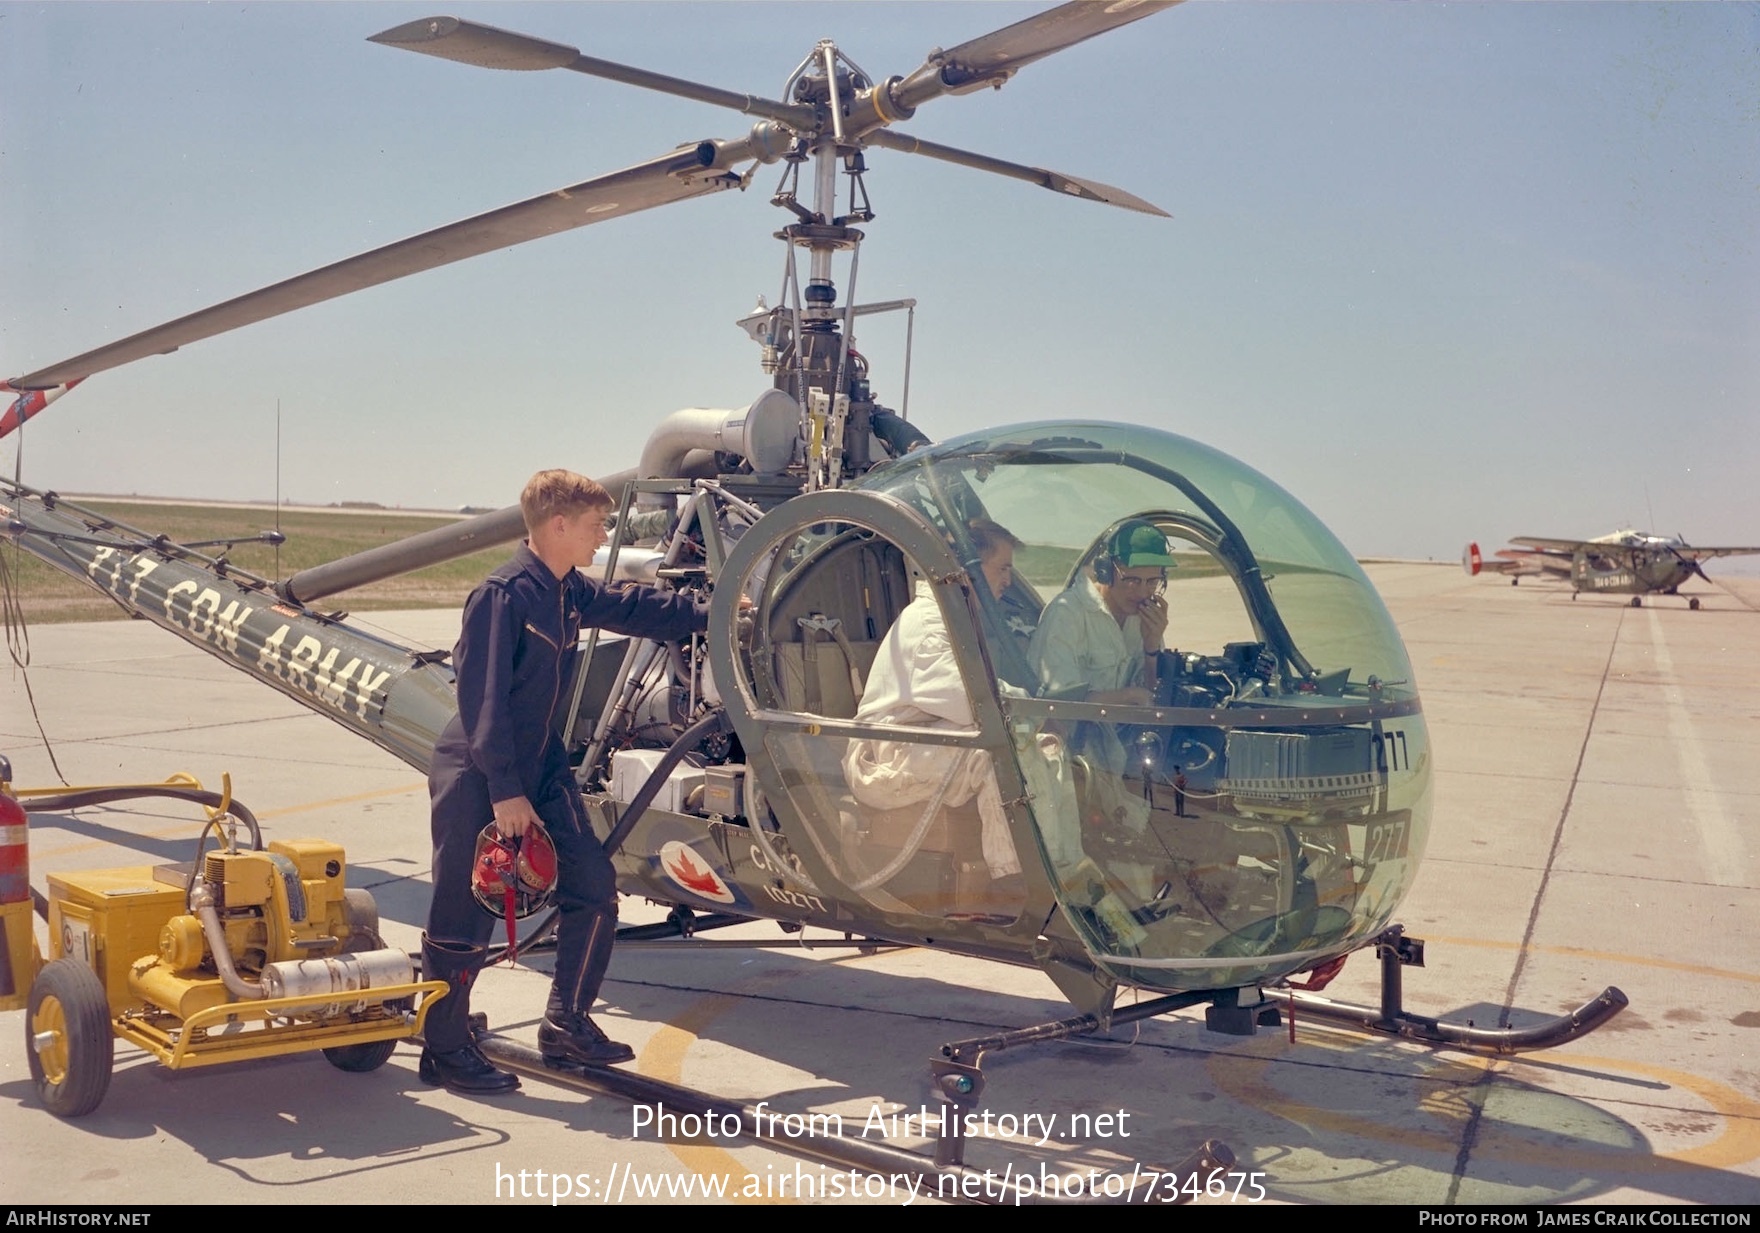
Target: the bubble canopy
(1060, 486)
(958, 672)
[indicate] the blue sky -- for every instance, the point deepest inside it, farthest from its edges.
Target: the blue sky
(1443, 272)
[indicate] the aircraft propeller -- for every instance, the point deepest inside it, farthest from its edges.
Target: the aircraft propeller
(1692, 563)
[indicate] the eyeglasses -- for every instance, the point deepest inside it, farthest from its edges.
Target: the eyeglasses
(1154, 585)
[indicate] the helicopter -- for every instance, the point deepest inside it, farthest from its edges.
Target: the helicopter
(1259, 817)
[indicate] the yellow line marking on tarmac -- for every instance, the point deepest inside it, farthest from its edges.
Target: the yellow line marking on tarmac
(419, 786)
(1740, 1141)
(286, 811)
(663, 1058)
(1245, 1075)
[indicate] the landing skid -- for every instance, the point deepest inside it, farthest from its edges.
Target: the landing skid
(1396, 951)
(959, 1077)
(943, 1175)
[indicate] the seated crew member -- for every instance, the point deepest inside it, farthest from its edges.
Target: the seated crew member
(1100, 638)
(916, 681)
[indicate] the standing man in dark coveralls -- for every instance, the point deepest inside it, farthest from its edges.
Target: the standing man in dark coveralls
(501, 758)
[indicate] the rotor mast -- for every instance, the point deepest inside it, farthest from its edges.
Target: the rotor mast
(807, 336)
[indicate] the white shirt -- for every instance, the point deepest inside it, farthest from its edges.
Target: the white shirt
(1078, 649)
(1080, 645)
(916, 681)
(915, 678)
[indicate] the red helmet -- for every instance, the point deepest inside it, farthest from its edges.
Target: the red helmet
(514, 878)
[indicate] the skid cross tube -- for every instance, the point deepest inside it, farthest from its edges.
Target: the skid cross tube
(678, 932)
(679, 923)
(959, 1076)
(971, 1052)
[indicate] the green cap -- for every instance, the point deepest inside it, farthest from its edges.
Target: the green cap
(1137, 543)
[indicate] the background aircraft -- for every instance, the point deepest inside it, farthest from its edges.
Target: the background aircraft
(1618, 563)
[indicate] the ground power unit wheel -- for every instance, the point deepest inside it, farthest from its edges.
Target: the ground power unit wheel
(68, 1038)
(359, 1059)
(363, 926)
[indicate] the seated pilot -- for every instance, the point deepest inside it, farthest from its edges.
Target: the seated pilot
(1099, 640)
(915, 680)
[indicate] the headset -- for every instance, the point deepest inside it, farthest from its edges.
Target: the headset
(1118, 550)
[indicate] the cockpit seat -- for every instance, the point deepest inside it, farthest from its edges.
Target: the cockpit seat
(944, 874)
(825, 625)
(823, 672)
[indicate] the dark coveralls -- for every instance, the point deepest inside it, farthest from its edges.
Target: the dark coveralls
(513, 663)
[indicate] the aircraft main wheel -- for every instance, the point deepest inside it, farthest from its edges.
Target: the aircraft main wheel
(68, 1038)
(360, 1059)
(1637, 601)
(1693, 604)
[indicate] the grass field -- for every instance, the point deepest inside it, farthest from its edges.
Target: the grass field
(313, 536)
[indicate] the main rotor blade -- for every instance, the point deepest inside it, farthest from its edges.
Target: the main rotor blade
(468, 42)
(1056, 181)
(993, 58)
(689, 171)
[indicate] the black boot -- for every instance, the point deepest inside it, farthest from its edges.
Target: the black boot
(451, 1058)
(575, 1040)
(568, 1037)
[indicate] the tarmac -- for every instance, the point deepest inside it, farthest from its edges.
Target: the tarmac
(1597, 822)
